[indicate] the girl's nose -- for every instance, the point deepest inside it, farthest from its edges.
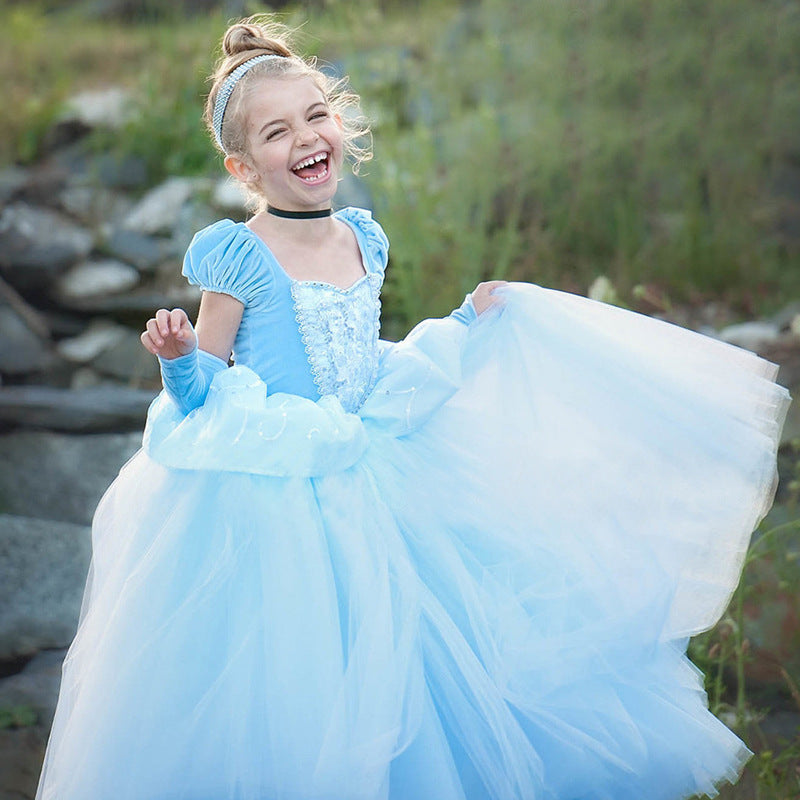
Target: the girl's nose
(307, 135)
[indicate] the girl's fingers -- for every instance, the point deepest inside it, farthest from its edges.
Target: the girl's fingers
(153, 329)
(148, 343)
(162, 319)
(177, 319)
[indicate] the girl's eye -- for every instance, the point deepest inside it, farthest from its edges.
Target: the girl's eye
(319, 115)
(274, 133)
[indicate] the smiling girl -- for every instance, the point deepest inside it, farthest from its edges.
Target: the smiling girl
(459, 567)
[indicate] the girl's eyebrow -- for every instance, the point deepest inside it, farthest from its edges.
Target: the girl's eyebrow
(283, 121)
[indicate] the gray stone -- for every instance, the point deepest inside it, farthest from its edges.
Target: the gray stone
(22, 349)
(786, 316)
(141, 303)
(12, 181)
(159, 210)
(144, 252)
(90, 203)
(106, 108)
(127, 360)
(229, 196)
(93, 410)
(43, 568)
(85, 166)
(58, 476)
(36, 244)
(92, 279)
(97, 338)
(750, 335)
(36, 686)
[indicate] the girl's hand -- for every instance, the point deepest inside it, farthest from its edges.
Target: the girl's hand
(169, 334)
(482, 297)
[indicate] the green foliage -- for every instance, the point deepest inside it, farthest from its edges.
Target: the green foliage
(17, 717)
(558, 141)
(548, 141)
(725, 652)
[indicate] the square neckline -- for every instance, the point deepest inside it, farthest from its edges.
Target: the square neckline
(360, 243)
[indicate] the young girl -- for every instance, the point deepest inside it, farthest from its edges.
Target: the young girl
(460, 567)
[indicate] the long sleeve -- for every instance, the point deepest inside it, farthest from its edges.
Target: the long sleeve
(187, 378)
(465, 313)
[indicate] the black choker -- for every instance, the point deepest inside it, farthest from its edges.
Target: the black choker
(279, 212)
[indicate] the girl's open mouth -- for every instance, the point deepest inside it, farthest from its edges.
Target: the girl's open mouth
(312, 169)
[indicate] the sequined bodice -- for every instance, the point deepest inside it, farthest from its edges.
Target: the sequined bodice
(305, 338)
(339, 328)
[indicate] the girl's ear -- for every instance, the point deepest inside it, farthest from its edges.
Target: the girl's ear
(240, 169)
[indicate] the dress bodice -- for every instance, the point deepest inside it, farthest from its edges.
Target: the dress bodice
(308, 338)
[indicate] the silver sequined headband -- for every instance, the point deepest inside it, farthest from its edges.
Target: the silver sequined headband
(226, 90)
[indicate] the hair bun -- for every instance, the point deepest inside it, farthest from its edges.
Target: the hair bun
(245, 37)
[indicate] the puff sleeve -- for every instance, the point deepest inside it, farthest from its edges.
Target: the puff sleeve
(376, 244)
(225, 258)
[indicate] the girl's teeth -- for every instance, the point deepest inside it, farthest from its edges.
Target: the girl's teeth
(315, 178)
(309, 161)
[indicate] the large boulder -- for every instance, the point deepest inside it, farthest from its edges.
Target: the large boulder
(59, 476)
(35, 687)
(94, 279)
(37, 244)
(160, 209)
(92, 410)
(42, 574)
(23, 349)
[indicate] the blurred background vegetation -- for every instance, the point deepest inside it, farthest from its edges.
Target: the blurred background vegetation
(654, 142)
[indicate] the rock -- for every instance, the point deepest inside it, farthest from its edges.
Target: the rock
(101, 108)
(229, 196)
(85, 166)
(37, 244)
(58, 476)
(12, 181)
(87, 378)
(140, 304)
(750, 335)
(144, 252)
(127, 360)
(90, 203)
(603, 291)
(97, 338)
(42, 574)
(92, 279)
(22, 349)
(784, 319)
(159, 210)
(36, 686)
(192, 217)
(105, 408)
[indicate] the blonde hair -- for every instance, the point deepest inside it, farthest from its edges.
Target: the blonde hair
(257, 36)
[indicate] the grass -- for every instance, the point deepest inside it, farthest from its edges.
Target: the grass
(772, 569)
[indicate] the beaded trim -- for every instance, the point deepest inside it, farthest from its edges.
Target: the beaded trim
(226, 90)
(306, 320)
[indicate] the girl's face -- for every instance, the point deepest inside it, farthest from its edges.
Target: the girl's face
(295, 144)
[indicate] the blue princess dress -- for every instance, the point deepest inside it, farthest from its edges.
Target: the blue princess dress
(460, 567)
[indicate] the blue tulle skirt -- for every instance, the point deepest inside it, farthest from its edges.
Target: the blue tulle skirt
(479, 587)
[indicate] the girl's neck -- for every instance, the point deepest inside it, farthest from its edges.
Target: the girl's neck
(308, 231)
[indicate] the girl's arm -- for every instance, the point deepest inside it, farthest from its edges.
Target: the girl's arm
(477, 302)
(190, 360)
